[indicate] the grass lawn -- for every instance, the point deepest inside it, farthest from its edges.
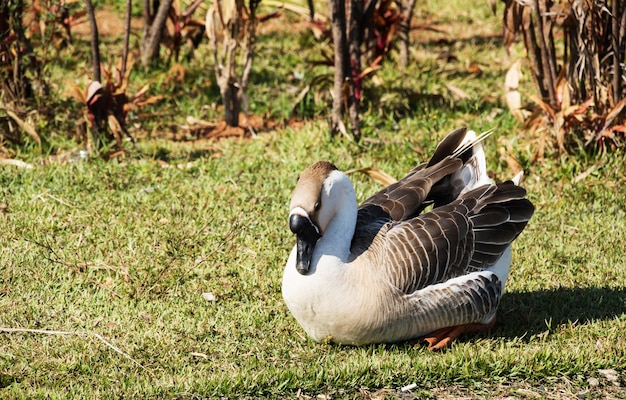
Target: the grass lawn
(159, 276)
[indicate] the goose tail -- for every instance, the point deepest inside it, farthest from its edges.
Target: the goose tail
(473, 174)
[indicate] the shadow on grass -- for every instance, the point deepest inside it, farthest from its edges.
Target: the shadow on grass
(524, 314)
(7, 380)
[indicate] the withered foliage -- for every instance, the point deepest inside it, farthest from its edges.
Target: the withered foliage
(231, 29)
(362, 34)
(575, 53)
(107, 106)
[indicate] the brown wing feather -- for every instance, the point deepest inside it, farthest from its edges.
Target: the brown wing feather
(399, 201)
(469, 234)
(405, 198)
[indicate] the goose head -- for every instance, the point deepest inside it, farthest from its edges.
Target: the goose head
(322, 190)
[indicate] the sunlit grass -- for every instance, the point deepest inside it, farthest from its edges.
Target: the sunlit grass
(126, 249)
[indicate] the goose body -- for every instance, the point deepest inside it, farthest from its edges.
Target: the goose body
(386, 271)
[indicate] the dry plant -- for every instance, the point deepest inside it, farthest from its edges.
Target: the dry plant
(182, 28)
(580, 80)
(362, 33)
(20, 75)
(51, 21)
(233, 23)
(107, 105)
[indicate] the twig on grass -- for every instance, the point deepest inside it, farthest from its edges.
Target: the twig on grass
(76, 333)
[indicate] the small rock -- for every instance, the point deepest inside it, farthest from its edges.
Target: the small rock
(208, 296)
(593, 382)
(408, 387)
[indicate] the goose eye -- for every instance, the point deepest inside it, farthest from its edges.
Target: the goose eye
(317, 206)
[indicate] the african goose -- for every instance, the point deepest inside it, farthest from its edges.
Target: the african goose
(386, 272)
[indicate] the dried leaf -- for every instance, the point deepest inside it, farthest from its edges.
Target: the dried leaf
(116, 129)
(213, 25)
(543, 105)
(208, 296)
(584, 174)
(228, 10)
(457, 92)
(611, 116)
(94, 90)
(25, 126)
(295, 7)
(141, 91)
(76, 91)
(149, 100)
(377, 175)
(474, 68)
(511, 91)
(611, 375)
(512, 22)
(16, 163)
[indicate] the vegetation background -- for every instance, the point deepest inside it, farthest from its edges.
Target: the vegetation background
(154, 271)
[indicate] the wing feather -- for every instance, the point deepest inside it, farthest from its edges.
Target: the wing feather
(469, 234)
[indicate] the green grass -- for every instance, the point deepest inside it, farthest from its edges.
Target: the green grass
(125, 249)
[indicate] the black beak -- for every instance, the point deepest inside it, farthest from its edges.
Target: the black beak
(307, 235)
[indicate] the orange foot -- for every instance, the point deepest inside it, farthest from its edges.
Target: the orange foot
(443, 337)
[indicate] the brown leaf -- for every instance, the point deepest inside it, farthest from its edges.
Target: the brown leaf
(94, 90)
(76, 91)
(116, 129)
(584, 174)
(512, 22)
(543, 105)
(16, 163)
(474, 68)
(25, 126)
(511, 91)
(611, 116)
(457, 92)
(377, 175)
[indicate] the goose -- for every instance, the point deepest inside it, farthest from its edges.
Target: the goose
(426, 258)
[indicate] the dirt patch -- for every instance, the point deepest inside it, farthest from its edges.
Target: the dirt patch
(250, 126)
(110, 23)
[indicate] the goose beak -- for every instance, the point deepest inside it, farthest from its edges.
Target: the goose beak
(307, 235)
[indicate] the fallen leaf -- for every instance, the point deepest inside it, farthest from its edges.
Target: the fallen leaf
(593, 382)
(474, 68)
(193, 353)
(584, 174)
(457, 92)
(16, 163)
(25, 126)
(377, 175)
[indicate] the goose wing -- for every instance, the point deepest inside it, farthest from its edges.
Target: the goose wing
(399, 201)
(428, 183)
(406, 198)
(469, 234)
